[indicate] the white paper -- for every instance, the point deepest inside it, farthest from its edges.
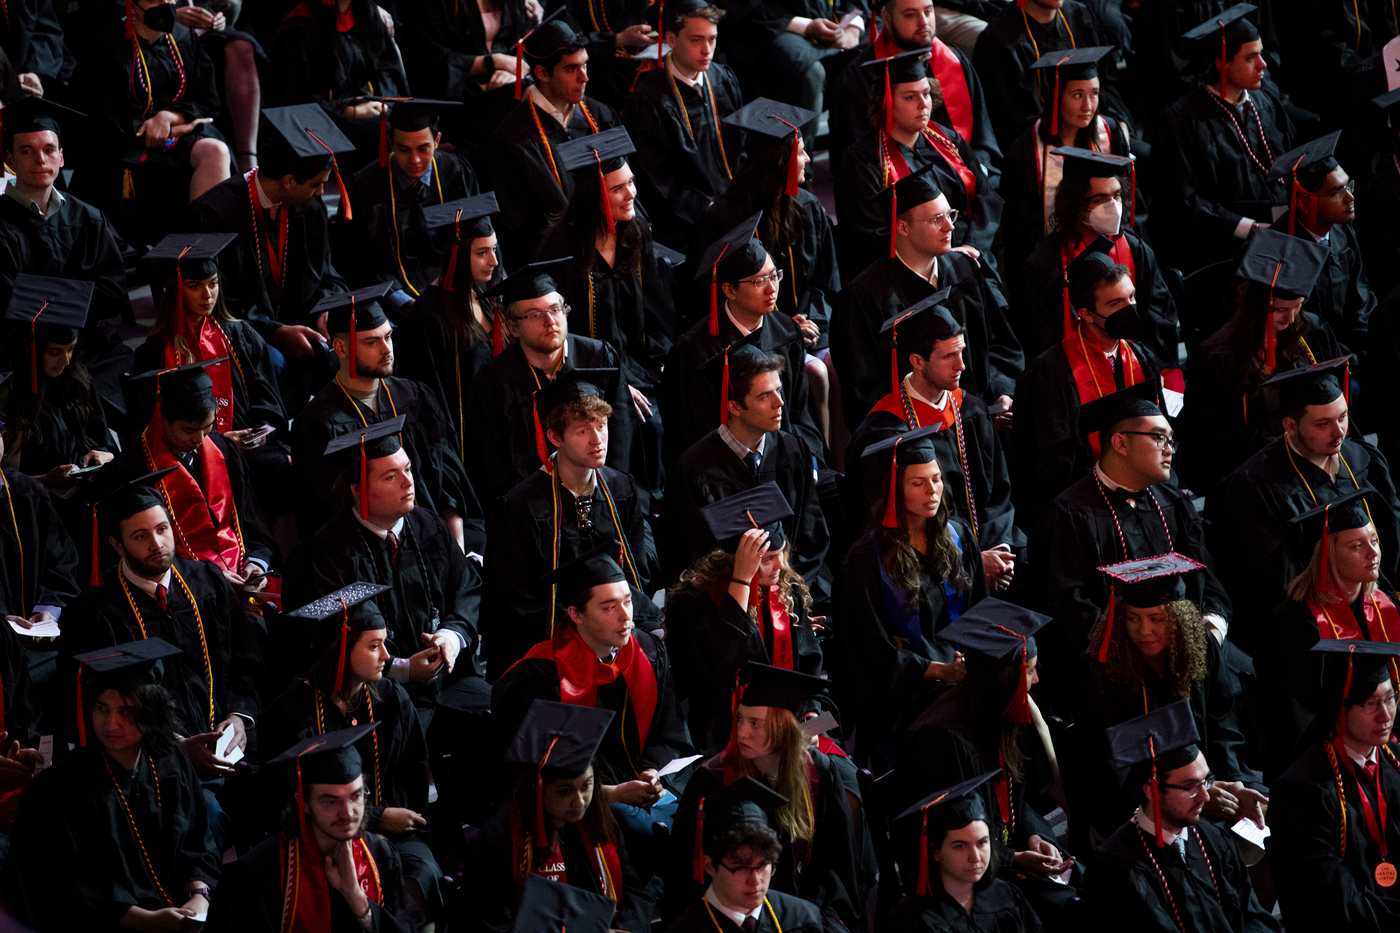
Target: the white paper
(678, 764)
(200, 918)
(221, 748)
(46, 751)
(849, 18)
(1248, 830)
(1175, 401)
(817, 725)
(46, 629)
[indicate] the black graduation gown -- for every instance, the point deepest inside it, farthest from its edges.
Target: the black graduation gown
(793, 915)
(712, 641)
(1051, 451)
(710, 471)
(880, 671)
(612, 68)
(833, 879)
(986, 464)
(40, 566)
(1379, 240)
(538, 679)
(1342, 296)
(523, 175)
(256, 398)
(865, 216)
(679, 163)
(1124, 891)
(997, 908)
(888, 288)
(440, 477)
(521, 527)
(33, 39)
(1207, 181)
(433, 587)
(495, 896)
(387, 241)
(1318, 886)
(75, 862)
(756, 42)
(442, 40)
(1220, 429)
(21, 698)
(500, 412)
(1257, 552)
(250, 897)
(102, 617)
(74, 243)
(1038, 296)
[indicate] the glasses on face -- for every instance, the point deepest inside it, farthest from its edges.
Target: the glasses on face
(1348, 188)
(763, 281)
(539, 317)
(949, 218)
(1376, 704)
(1159, 440)
(750, 870)
(1193, 788)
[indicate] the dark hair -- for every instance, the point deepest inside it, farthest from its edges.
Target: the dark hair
(678, 14)
(758, 838)
(571, 46)
(1084, 289)
(875, 105)
(598, 824)
(323, 41)
(1071, 200)
(587, 408)
(905, 565)
(742, 373)
(922, 339)
(117, 531)
(290, 819)
(165, 312)
(322, 673)
(72, 391)
(1085, 136)
(155, 713)
(583, 218)
(176, 406)
(761, 185)
(937, 837)
(1244, 336)
(276, 158)
(1237, 36)
(978, 700)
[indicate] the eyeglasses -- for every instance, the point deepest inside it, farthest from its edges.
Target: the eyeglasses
(1193, 788)
(1374, 705)
(948, 217)
(1349, 188)
(749, 870)
(539, 317)
(763, 281)
(1160, 441)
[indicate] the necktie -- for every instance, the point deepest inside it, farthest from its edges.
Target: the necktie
(417, 189)
(1181, 846)
(1370, 769)
(752, 458)
(750, 924)
(1117, 370)
(160, 596)
(393, 541)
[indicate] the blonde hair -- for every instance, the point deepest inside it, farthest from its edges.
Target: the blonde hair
(1306, 587)
(786, 741)
(713, 572)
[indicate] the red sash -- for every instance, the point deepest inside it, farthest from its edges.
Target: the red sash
(306, 901)
(580, 673)
(1382, 619)
(952, 81)
(782, 624)
(210, 344)
(553, 867)
(1093, 376)
(1121, 253)
(927, 414)
(607, 867)
(206, 520)
(603, 859)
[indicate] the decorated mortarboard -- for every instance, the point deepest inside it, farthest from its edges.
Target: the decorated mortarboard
(1000, 630)
(351, 312)
(382, 439)
(603, 152)
(528, 282)
(1318, 384)
(1087, 163)
(349, 611)
(408, 115)
(55, 309)
(1139, 400)
(557, 740)
(595, 567)
(949, 809)
(189, 256)
(310, 134)
(736, 255)
(903, 449)
(761, 507)
(128, 658)
(1165, 739)
(1232, 28)
(928, 316)
(1069, 65)
(771, 120)
(35, 115)
(914, 189)
(903, 68)
(550, 907)
(758, 684)
(189, 382)
(743, 801)
(1145, 583)
(1304, 169)
(542, 41)
(1344, 513)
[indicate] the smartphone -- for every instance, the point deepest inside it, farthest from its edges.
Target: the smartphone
(84, 471)
(257, 438)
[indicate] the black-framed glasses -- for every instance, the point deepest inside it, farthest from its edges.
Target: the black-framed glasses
(743, 870)
(1192, 788)
(1159, 440)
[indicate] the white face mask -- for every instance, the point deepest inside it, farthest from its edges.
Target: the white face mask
(1107, 218)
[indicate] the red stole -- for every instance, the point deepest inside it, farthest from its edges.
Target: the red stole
(952, 81)
(1120, 252)
(927, 414)
(580, 673)
(896, 168)
(1093, 376)
(552, 867)
(306, 902)
(782, 624)
(210, 344)
(206, 520)
(344, 22)
(1382, 619)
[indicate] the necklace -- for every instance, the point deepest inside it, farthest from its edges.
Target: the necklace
(198, 621)
(1268, 150)
(131, 819)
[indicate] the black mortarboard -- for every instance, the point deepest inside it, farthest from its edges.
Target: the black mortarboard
(455, 224)
(1289, 265)
(559, 739)
(189, 384)
(368, 314)
(925, 319)
(914, 446)
(54, 309)
(34, 115)
(304, 136)
(1389, 104)
(548, 37)
(1344, 513)
(765, 685)
(548, 906)
(1088, 163)
(943, 812)
(118, 662)
(135, 495)
(1091, 264)
(329, 758)
(1304, 169)
(1352, 669)
(1149, 582)
(1100, 415)
(610, 147)
(743, 801)
(596, 567)
(1069, 65)
(1318, 384)
(349, 610)
(902, 68)
(417, 113)
(769, 123)
(995, 629)
(1146, 748)
(570, 386)
(528, 282)
(918, 187)
(191, 255)
(351, 452)
(734, 256)
(761, 507)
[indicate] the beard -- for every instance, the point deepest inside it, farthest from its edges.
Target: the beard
(151, 567)
(375, 369)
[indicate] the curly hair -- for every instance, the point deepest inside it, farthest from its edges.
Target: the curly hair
(787, 741)
(1186, 648)
(153, 708)
(903, 562)
(587, 408)
(712, 573)
(597, 824)
(1072, 200)
(1244, 337)
(679, 13)
(758, 838)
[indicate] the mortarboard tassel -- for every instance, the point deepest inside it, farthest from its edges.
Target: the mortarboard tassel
(794, 170)
(344, 633)
(889, 102)
(130, 20)
(498, 335)
(345, 213)
(34, 350)
(384, 139)
(364, 481)
(354, 370)
(714, 292)
(1224, 63)
(1346, 690)
(1019, 708)
(1108, 628)
(724, 391)
(924, 888)
(661, 23)
(1324, 574)
(894, 215)
(697, 860)
(541, 830)
(1156, 793)
(95, 574)
(1297, 192)
(541, 450)
(1346, 391)
(180, 302)
(1055, 103)
(449, 273)
(603, 195)
(1270, 337)
(891, 519)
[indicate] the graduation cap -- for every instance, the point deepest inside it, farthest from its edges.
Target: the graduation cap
(740, 255)
(925, 317)
(464, 219)
(1091, 265)
(910, 191)
(55, 310)
(1164, 740)
(1069, 65)
(373, 441)
(193, 255)
(561, 738)
(903, 68)
(999, 630)
(1135, 401)
(529, 282)
(1146, 583)
(757, 684)
(131, 658)
(743, 801)
(911, 447)
(119, 504)
(336, 607)
(594, 567)
(761, 507)
(1341, 514)
(309, 134)
(35, 115)
(1234, 30)
(539, 43)
(736, 353)
(330, 758)
(776, 121)
(604, 152)
(350, 312)
(1318, 384)
(189, 383)
(950, 809)
(1288, 265)
(569, 386)
(409, 115)
(1086, 163)
(1353, 668)
(1389, 104)
(1305, 169)
(550, 907)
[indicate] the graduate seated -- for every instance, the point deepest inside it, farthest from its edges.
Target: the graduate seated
(740, 852)
(555, 824)
(347, 683)
(1152, 649)
(826, 856)
(574, 504)
(740, 602)
(323, 873)
(115, 834)
(957, 887)
(1328, 849)
(750, 449)
(460, 51)
(1167, 868)
(892, 660)
(364, 392)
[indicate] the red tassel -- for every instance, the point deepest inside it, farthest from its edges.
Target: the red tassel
(344, 633)
(520, 65)
(661, 22)
(889, 102)
(1346, 691)
(364, 481)
(891, 519)
(1270, 337)
(894, 216)
(384, 141)
(354, 374)
(924, 887)
(714, 292)
(1069, 310)
(724, 391)
(541, 830)
(95, 575)
(697, 861)
(1224, 62)
(130, 20)
(541, 449)
(794, 172)
(1019, 708)
(1156, 794)
(180, 300)
(1324, 577)
(1108, 630)
(603, 194)
(450, 272)
(498, 335)
(1055, 106)
(340, 182)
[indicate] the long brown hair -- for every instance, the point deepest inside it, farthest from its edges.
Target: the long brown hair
(1244, 337)
(322, 673)
(713, 572)
(597, 825)
(903, 562)
(74, 392)
(976, 703)
(1186, 648)
(785, 739)
(1306, 587)
(165, 314)
(761, 185)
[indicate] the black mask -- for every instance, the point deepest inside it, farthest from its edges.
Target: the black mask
(1123, 324)
(160, 18)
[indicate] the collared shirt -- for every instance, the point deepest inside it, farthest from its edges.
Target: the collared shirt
(1361, 761)
(264, 201)
(146, 586)
(738, 917)
(931, 278)
(559, 116)
(1147, 825)
(743, 331)
(938, 406)
(56, 200)
(405, 180)
(736, 445)
(697, 82)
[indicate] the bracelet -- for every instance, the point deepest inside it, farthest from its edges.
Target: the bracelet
(202, 892)
(740, 582)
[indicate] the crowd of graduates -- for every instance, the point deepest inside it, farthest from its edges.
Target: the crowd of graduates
(485, 465)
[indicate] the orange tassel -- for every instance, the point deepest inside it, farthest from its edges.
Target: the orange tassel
(603, 194)
(697, 861)
(520, 65)
(891, 519)
(541, 449)
(724, 391)
(339, 181)
(95, 575)
(1270, 338)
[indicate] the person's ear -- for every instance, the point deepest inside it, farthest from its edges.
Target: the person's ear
(1084, 315)
(554, 438)
(917, 362)
(1290, 427)
(670, 38)
(1120, 444)
(116, 545)
(574, 615)
(338, 344)
(709, 866)
(437, 140)
(729, 290)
